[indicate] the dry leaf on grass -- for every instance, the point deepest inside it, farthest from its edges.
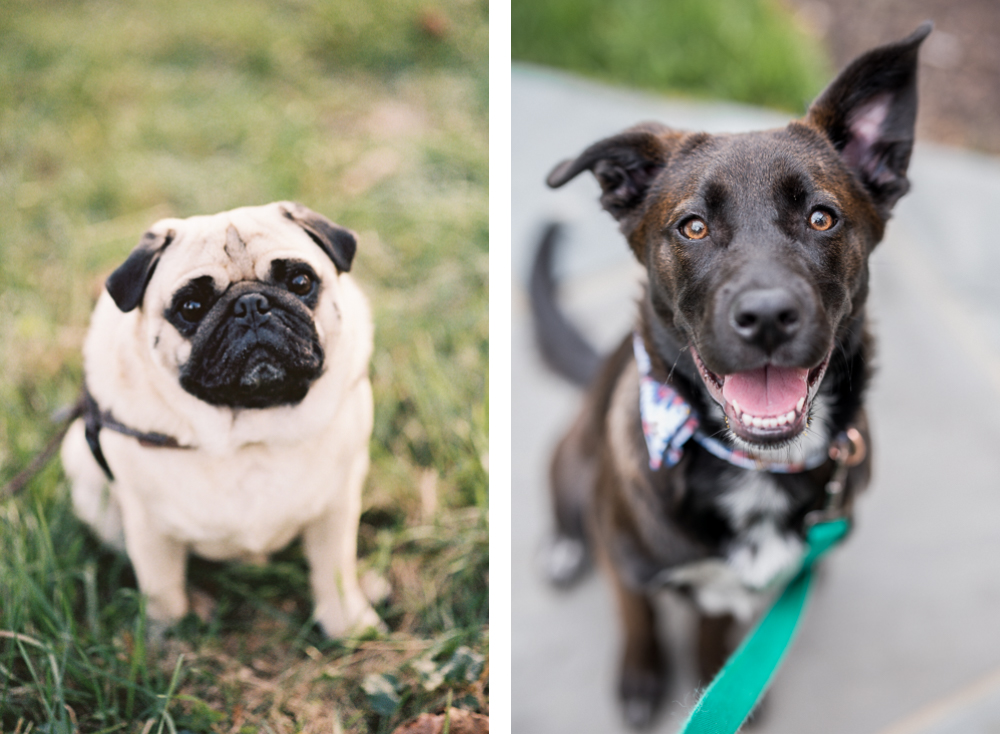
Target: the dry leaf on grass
(460, 722)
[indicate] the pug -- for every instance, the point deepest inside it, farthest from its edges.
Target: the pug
(227, 405)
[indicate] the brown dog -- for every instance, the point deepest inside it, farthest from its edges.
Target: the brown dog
(705, 438)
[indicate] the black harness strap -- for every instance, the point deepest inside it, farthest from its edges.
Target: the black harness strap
(92, 430)
(94, 419)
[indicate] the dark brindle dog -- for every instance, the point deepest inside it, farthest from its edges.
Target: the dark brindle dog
(705, 438)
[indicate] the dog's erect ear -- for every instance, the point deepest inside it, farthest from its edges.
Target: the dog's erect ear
(868, 113)
(337, 242)
(127, 285)
(624, 165)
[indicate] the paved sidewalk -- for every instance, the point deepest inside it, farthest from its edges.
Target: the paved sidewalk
(902, 636)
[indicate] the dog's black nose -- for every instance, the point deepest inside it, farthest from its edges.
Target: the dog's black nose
(766, 317)
(251, 309)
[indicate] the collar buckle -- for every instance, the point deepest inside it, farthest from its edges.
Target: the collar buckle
(847, 451)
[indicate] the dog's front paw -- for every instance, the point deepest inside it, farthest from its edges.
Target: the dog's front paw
(369, 619)
(337, 624)
(159, 621)
(641, 702)
(164, 610)
(641, 690)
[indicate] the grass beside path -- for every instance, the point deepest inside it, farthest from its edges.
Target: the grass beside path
(751, 51)
(372, 112)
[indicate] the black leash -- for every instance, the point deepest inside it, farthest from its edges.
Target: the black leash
(94, 419)
(43, 457)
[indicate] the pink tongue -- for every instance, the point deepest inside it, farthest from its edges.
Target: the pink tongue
(769, 391)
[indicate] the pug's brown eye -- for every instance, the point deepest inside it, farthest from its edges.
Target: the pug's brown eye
(821, 220)
(695, 229)
(300, 285)
(192, 310)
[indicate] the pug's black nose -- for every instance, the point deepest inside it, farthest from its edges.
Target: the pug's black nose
(766, 317)
(251, 309)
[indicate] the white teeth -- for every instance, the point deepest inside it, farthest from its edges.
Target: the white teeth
(800, 405)
(786, 419)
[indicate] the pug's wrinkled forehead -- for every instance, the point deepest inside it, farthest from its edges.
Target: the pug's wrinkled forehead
(232, 249)
(229, 247)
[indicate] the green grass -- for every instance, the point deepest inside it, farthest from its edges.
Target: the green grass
(373, 112)
(746, 50)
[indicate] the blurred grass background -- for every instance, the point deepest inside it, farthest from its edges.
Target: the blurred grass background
(752, 51)
(372, 112)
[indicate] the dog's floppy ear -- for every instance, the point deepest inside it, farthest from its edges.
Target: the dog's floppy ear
(624, 165)
(868, 113)
(127, 285)
(337, 242)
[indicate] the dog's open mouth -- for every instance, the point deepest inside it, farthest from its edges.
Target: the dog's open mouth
(767, 405)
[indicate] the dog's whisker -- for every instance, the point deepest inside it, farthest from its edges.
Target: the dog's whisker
(673, 367)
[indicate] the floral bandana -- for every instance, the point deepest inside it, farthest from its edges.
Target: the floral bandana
(667, 419)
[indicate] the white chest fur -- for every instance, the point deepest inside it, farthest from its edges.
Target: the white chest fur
(756, 561)
(250, 501)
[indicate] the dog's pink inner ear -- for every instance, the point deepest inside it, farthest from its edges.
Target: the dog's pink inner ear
(865, 131)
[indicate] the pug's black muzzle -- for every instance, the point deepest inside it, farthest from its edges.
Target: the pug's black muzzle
(257, 347)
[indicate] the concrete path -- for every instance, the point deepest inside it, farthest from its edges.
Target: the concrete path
(903, 634)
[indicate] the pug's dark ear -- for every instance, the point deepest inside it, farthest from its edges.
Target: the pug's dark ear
(624, 165)
(127, 285)
(337, 242)
(868, 113)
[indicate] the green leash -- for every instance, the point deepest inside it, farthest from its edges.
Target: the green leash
(735, 691)
(741, 683)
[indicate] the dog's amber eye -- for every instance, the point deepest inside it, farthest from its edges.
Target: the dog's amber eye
(192, 310)
(695, 229)
(821, 220)
(300, 285)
